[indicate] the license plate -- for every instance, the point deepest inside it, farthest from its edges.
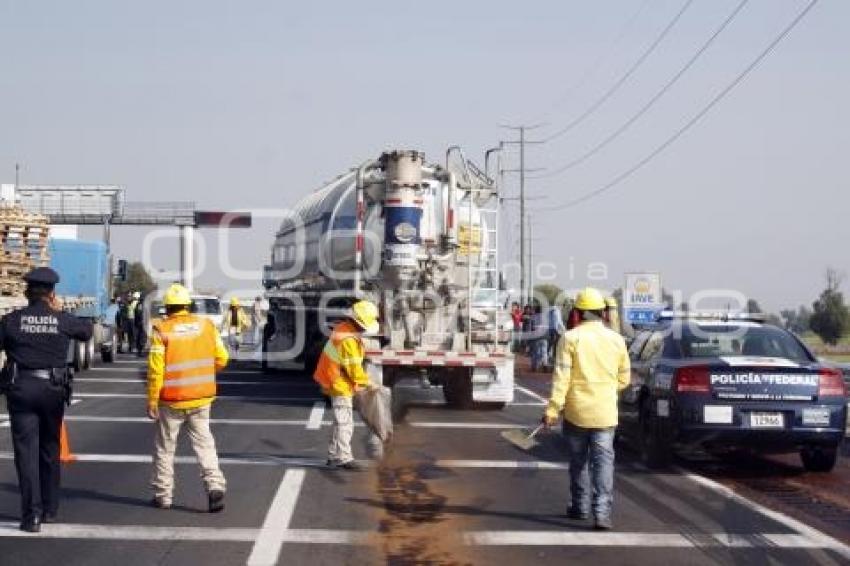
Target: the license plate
(766, 420)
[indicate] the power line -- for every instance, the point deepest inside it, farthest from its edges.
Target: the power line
(616, 86)
(597, 64)
(696, 118)
(646, 107)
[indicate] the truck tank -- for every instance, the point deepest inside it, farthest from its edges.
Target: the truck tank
(417, 239)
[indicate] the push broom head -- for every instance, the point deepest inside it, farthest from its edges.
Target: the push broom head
(522, 438)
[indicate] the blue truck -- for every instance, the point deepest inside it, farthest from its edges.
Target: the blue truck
(83, 268)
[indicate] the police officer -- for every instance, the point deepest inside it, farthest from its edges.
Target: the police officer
(36, 340)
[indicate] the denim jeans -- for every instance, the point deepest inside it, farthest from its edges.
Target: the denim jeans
(591, 454)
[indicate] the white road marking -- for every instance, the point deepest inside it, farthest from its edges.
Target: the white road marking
(225, 461)
(509, 464)
(131, 532)
(821, 540)
(642, 540)
(316, 414)
(498, 426)
(255, 422)
(218, 397)
(513, 404)
(328, 536)
(531, 394)
(138, 370)
(269, 541)
(142, 381)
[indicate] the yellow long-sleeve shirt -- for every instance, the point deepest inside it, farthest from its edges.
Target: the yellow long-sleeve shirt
(156, 369)
(591, 367)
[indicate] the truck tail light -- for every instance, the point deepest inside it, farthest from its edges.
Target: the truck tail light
(831, 383)
(692, 379)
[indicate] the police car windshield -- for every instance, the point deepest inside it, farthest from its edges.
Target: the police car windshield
(711, 341)
(206, 306)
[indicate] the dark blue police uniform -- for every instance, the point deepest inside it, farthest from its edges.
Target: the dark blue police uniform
(36, 340)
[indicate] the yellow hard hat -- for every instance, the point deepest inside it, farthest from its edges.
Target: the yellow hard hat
(177, 295)
(365, 314)
(590, 299)
(234, 301)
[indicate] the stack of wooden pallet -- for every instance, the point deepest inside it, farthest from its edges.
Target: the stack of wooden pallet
(24, 246)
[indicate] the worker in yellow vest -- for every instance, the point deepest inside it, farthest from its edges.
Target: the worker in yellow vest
(340, 373)
(186, 352)
(234, 323)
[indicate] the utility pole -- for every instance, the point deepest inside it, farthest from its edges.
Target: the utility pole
(521, 142)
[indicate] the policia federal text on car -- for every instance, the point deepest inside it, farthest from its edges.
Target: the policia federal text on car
(37, 383)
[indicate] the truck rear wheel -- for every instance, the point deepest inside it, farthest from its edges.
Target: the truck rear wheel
(79, 356)
(457, 390)
(107, 355)
(88, 353)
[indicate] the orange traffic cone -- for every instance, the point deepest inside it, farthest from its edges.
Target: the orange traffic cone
(65, 454)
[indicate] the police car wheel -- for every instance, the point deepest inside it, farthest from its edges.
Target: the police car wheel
(656, 451)
(818, 459)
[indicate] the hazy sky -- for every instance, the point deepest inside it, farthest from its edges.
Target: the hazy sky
(254, 104)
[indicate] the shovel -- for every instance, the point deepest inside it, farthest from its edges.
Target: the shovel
(521, 438)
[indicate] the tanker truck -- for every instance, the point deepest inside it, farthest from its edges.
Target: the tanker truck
(419, 240)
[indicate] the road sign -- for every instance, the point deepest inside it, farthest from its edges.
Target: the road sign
(641, 316)
(642, 297)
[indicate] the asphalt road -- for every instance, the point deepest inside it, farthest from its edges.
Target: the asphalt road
(449, 490)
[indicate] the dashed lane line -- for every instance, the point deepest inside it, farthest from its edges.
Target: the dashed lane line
(531, 394)
(269, 541)
(223, 460)
(316, 414)
(141, 381)
(131, 532)
(502, 464)
(261, 398)
(145, 420)
(295, 462)
(809, 533)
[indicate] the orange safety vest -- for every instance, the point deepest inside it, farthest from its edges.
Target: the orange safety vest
(189, 358)
(329, 368)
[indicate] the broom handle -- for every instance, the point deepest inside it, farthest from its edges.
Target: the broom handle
(535, 431)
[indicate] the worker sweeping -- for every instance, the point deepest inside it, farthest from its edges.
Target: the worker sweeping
(340, 373)
(234, 323)
(591, 367)
(186, 352)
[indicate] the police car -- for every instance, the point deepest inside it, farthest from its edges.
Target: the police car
(722, 380)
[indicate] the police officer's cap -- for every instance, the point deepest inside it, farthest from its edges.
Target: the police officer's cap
(42, 276)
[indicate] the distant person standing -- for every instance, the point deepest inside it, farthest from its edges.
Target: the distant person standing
(129, 320)
(139, 331)
(591, 367)
(234, 323)
(257, 318)
(37, 384)
(120, 323)
(556, 329)
(516, 318)
(540, 341)
(186, 352)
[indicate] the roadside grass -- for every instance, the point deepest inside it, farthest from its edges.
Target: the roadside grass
(814, 340)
